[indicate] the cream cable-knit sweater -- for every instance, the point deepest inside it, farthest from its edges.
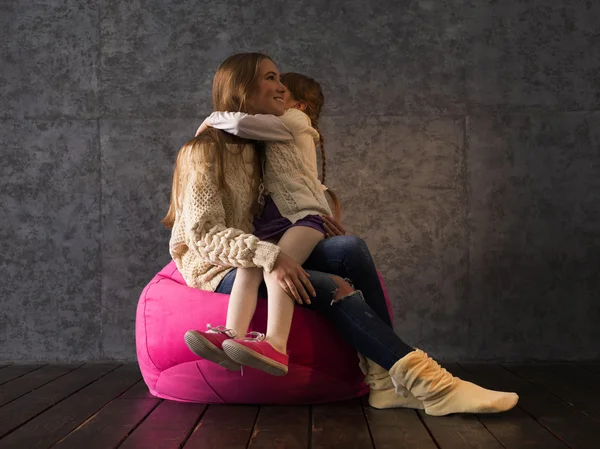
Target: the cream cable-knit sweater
(294, 191)
(290, 175)
(212, 232)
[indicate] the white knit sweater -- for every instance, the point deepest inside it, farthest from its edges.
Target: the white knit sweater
(291, 177)
(212, 232)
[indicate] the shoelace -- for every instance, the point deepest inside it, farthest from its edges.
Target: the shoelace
(220, 330)
(254, 336)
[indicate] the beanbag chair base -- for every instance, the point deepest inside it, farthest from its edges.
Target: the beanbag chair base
(322, 368)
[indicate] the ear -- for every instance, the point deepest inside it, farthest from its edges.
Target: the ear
(301, 105)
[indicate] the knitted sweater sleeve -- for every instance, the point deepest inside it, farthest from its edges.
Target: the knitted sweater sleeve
(207, 236)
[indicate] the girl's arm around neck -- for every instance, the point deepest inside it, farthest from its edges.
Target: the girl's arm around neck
(250, 126)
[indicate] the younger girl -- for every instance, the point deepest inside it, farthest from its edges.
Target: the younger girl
(293, 202)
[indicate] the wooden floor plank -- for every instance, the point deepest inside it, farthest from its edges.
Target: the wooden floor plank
(570, 425)
(30, 381)
(4, 365)
(57, 422)
(570, 382)
(514, 428)
(62, 407)
(224, 426)
(398, 429)
(138, 391)
(26, 407)
(16, 370)
(281, 427)
(108, 427)
(167, 427)
(459, 431)
(340, 424)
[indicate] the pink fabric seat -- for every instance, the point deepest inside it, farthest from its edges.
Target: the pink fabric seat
(323, 367)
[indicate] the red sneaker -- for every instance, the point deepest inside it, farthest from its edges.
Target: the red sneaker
(257, 353)
(209, 345)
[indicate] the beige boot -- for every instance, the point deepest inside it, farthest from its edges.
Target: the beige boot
(382, 392)
(443, 393)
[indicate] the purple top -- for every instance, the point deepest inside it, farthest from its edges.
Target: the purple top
(271, 224)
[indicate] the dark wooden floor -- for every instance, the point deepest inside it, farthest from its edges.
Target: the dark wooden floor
(107, 406)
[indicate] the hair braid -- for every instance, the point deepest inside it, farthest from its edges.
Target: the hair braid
(315, 125)
(323, 159)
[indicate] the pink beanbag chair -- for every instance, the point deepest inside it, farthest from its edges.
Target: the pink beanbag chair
(322, 366)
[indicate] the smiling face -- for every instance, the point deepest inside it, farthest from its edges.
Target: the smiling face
(267, 97)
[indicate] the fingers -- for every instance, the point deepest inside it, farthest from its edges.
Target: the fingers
(301, 290)
(330, 229)
(203, 127)
(333, 226)
(339, 228)
(327, 228)
(297, 288)
(293, 279)
(308, 286)
(283, 284)
(292, 291)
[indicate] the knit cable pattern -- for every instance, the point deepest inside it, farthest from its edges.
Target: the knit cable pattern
(212, 231)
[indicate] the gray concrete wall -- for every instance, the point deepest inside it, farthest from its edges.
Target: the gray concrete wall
(462, 138)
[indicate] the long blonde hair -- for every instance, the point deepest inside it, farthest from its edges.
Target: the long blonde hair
(235, 79)
(307, 90)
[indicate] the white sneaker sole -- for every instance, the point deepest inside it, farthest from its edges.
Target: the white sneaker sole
(247, 357)
(205, 349)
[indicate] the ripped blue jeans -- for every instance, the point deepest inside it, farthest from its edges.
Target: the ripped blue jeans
(362, 317)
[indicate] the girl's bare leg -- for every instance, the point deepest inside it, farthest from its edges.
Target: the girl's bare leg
(297, 242)
(242, 300)
(279, 319)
